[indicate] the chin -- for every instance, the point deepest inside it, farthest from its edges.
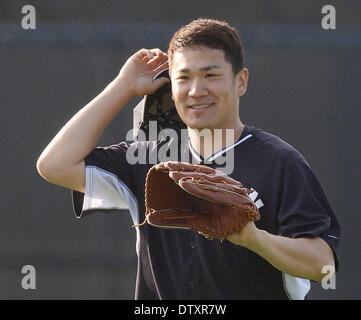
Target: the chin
(199, 126)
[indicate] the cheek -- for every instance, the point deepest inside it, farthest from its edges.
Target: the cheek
(225, 92)
(177, 99)
(220, 92)
(177, 93)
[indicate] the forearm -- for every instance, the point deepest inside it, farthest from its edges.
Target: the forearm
(79, 136)
(62, 162)
(302, 257)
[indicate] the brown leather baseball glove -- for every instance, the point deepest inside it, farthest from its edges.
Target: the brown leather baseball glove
(189, 196)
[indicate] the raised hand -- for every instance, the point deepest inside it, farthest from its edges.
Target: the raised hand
(139, 70)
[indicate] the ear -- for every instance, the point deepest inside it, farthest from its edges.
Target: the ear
(242, 81)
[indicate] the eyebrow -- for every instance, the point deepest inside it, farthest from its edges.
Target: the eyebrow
(204, 69)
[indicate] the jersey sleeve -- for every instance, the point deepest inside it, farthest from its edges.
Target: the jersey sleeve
(110, 183)
(304, 208)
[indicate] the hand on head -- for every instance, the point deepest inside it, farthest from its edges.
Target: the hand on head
(139, 71)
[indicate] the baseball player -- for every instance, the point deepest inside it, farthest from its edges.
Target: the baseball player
(275, 257)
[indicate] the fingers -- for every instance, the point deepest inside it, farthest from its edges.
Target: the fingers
(153, 57)
(156, 60)
(149, 54)
(142, 53)
(160, 82)
(161, 67)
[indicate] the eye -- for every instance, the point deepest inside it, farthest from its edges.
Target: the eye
(210, 75)
(182, 78)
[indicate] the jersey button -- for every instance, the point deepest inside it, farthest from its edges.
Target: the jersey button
(190, 284)
(192, 245)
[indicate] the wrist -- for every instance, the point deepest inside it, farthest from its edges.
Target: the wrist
(257, 240)
(122, 85)
(250, 237)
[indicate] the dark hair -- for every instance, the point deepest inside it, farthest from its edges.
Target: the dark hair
(213, 34)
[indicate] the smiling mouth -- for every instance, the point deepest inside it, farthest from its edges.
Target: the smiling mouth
(201, 106)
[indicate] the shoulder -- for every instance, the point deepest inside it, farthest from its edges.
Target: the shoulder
(132, 154)
(271, 146)
(124, 147)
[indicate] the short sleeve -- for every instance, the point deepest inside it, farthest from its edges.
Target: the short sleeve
(110, 183)
(304, 209)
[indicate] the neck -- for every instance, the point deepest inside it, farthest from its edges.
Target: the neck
(207, 142)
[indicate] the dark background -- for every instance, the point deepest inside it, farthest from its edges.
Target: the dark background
(304, 86)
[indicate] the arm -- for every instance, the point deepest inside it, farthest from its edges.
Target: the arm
(62, 161)
(301, 257)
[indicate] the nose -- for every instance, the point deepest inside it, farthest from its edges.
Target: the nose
(198, 88)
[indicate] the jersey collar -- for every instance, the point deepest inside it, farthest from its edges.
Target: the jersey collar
(245, 136)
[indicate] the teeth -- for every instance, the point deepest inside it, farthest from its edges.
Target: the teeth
(202, 106)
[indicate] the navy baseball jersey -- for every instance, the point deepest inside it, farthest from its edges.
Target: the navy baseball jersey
(181, 264)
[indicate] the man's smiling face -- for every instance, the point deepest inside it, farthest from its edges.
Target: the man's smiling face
(204, 88)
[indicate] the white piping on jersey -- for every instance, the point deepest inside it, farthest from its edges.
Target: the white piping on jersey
(332, 236)
(219, 153)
